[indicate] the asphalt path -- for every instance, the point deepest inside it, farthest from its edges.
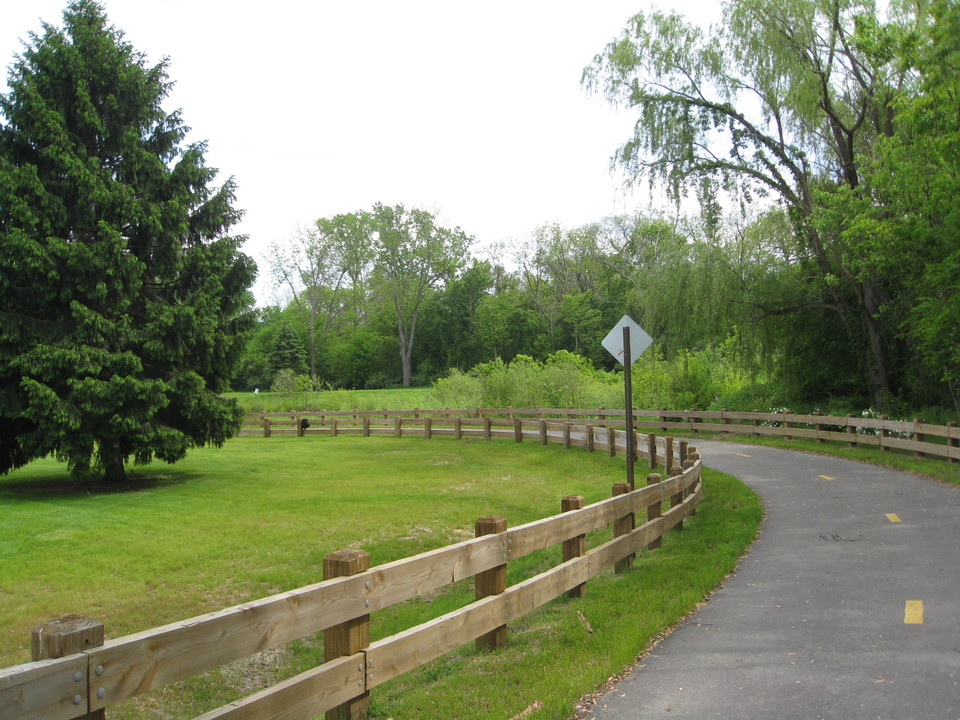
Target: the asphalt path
(846, 608)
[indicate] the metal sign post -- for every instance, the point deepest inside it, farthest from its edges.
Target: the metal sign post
(628, 403)
(626, 346)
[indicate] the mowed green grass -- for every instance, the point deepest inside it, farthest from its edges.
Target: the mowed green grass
(257, 517)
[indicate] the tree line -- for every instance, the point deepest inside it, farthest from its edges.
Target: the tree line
(819, 140)
(822, 145)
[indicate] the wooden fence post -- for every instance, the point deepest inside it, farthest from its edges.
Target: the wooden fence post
(575, 546)
(652, 449)
(491, 582)
(588, 440)
(366, 426)
(663, 419)
(349, 637)
(542, 427)
(487, 432)
(819, 428)
(333, 427)
(66, 636)
(458, 428)
(654, 510)
(918, 436)
(611, 441)
(852, 431)
(517, 431)
(756, 422)
(668, 455)
(566, 435)
(428, 427)
(786, 425)
(266, 427)
(623, 526)
(693, 421)
(683, 449)
(884, 433)
(953, 441)
(298, 423)
(676, 498)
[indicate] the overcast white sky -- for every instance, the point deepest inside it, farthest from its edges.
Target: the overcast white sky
(471, 110)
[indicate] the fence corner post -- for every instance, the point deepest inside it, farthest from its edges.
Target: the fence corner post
(350, 637)
(65, 636)
(491, 582)
(575, 546)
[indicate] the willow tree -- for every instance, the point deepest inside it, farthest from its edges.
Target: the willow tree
(782, 100)
(123, 301)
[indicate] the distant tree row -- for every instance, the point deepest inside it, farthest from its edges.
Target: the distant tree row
(834, 133)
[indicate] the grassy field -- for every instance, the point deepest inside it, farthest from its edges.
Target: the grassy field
(258, 516)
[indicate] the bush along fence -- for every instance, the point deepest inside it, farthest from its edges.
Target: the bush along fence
(75, 673)
(914, 436)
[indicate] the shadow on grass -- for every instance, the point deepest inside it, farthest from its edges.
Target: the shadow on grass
(61, 486)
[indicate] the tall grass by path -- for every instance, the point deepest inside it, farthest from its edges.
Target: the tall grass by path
(258, 516)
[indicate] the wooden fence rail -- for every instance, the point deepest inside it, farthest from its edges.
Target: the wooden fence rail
(94, 674)
(913, 436)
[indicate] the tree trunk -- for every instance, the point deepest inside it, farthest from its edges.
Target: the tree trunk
(112, 462)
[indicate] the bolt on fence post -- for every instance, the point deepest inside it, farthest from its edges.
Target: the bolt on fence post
(654, 510)
(66, 636)
(350, 637)
(575, 546)
(492, 581)
(623, 525)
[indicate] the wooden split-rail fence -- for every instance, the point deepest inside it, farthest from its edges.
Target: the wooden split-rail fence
(916, 436)
(77, 674)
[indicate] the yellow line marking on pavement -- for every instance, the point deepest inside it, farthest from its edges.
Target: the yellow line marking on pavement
(744, 455)
(893, 517)
(913, 612)
(826, 477)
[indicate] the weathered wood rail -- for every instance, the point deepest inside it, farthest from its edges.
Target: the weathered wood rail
(909, 436)
(93, 675)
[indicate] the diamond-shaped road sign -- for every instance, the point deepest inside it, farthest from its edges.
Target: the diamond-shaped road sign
(639, 340)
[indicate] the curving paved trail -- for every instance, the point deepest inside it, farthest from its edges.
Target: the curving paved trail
(839, 611)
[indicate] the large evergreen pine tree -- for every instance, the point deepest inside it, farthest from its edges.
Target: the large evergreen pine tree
(123, 301)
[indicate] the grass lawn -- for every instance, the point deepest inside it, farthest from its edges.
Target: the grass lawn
(257, 517)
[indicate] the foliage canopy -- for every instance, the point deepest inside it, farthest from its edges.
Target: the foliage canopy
(123, 301)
